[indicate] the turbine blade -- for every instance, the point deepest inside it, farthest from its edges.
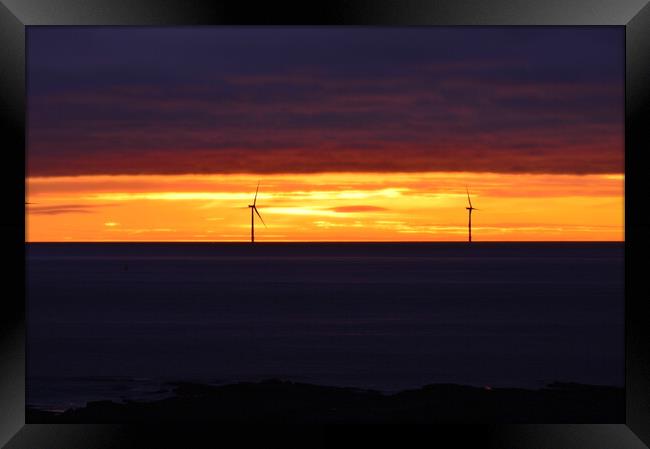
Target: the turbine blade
(468, 199)
(258, 187)
(258, 214)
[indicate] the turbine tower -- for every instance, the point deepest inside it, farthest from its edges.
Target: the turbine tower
(254, 211)
(470, 209)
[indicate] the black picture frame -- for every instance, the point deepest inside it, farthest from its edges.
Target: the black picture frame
(16, 15)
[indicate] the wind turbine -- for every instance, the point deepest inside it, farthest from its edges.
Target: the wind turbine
(254, 211)
(470, 209)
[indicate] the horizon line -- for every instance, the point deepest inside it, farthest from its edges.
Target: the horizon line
(248, 242)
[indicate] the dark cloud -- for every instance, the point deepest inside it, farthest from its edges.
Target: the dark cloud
(57, 210)
(221, 100)
(65, 209)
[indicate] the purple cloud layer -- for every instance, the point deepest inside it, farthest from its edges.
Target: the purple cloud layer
(266, 100)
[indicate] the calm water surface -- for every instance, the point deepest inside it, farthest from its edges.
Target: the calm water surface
(117, 321)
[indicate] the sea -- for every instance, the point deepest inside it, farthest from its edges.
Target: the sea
(124, 321)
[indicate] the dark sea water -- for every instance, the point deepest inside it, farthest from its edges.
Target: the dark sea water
(117, 321)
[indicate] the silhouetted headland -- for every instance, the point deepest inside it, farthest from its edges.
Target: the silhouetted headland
(284, 402)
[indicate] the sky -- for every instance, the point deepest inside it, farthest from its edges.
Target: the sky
(353, 133)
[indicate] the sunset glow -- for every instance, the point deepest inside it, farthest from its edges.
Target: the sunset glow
(354, 133)
(326, 207)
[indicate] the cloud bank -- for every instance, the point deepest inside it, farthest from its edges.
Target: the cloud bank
(309, 100)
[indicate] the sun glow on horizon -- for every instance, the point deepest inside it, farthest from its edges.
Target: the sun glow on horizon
(326, 207)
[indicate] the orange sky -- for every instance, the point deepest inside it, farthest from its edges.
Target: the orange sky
(326, 207)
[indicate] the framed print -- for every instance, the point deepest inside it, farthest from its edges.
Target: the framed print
(281, 225)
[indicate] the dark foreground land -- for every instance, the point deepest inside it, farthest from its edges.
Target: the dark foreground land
(283, 402)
